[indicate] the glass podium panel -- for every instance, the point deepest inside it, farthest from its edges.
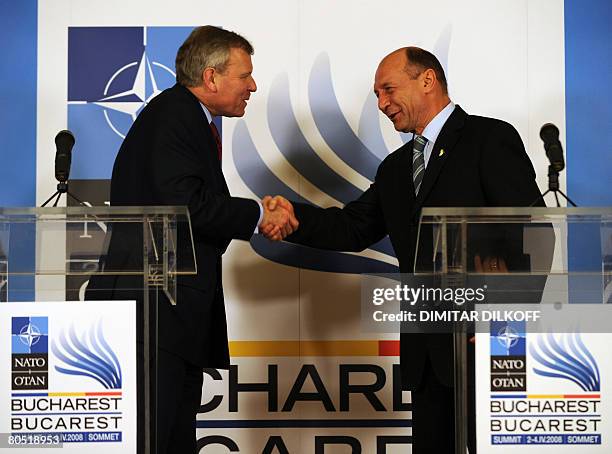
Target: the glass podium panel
(81, 288)
(545, 277)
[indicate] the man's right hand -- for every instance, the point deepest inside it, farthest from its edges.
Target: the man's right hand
(278, 219)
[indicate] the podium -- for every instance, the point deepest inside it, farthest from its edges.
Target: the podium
(555, 263)
(68, 258)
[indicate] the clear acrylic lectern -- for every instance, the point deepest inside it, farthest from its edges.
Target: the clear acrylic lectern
(545, 256)
(76, 254)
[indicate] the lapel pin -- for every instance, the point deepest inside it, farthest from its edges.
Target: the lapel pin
(441, 152)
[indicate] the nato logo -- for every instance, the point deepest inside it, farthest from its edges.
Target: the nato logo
(30, 335)
(508, 338)
(508, 356)
(113, 72)
(29, 348)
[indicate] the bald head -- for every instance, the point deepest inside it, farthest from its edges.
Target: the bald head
(411, 88)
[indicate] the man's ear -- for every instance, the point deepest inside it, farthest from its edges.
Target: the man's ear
(208, 76)
(429, 79)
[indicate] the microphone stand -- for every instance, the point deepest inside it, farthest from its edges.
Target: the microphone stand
(553, 186)
(62, 188)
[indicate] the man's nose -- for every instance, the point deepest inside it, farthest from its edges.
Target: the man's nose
(383, 102)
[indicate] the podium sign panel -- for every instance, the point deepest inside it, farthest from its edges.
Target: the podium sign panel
(72, 379)
(541, 392)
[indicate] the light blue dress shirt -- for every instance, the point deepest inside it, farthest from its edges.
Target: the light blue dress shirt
(433, 128)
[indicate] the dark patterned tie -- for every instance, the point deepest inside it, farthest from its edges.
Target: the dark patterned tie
(418, 162)
(215, 133)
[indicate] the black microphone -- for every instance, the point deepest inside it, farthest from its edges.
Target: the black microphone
(64, 141)
(550, 136)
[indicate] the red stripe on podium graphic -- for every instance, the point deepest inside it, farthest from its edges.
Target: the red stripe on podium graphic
(388, 348)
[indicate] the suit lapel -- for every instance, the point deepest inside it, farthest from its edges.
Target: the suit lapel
(446, 141)
(405, 185)
(206, 141)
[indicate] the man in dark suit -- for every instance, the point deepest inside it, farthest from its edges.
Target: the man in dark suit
(172, 156)
(454, 160)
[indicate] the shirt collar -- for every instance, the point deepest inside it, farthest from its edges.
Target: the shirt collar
(433, 128)
(207, 113)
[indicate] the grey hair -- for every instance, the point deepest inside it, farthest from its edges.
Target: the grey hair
(206, 47)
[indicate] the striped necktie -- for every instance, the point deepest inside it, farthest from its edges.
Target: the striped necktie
(418, 162)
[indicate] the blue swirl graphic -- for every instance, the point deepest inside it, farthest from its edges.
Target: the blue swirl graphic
(295, 148)
(574, 363)
(317, 259)
(253, 171)
(579, 344)
(332, 124)
(369, 128)
(96, 360)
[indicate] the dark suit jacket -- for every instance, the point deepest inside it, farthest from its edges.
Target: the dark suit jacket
(169, 157)
(484, 164)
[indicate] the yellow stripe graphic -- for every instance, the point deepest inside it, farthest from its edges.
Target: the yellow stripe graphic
(545, 396)
(304, 348)
(66, 394)
(264, 348)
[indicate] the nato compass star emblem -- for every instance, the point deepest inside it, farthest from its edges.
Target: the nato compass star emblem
(143, 86)
(29, 335)
(133, 100)
(508, 337)
(113, 72)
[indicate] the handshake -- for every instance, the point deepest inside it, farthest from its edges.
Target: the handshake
(278, 218)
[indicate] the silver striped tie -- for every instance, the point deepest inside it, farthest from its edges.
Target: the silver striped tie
(418, 162)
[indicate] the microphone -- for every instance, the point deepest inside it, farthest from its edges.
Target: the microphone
(550, 136)
(64, 141)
